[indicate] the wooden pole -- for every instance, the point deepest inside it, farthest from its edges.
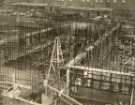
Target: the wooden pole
(132, 96)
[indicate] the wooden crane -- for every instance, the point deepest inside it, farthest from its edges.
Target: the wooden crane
(53, 75)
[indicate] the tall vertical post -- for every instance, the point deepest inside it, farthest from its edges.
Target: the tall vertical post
(132, 96)
(55, 62)
(68, 82)
(2, 58)
(13, 77)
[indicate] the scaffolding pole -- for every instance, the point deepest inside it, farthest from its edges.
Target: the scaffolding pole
(101, 70)
(132, 96)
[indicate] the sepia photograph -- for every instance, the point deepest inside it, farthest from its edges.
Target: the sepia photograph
(67, 52)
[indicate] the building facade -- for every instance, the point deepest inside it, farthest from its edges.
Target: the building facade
(118, 4)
